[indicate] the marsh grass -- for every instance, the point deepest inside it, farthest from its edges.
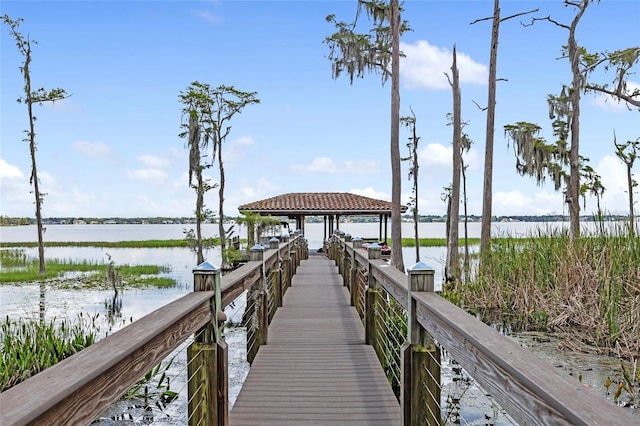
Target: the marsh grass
(17, 267)
(588, 289)
(30, 346)
(109, 244)
(435, 242)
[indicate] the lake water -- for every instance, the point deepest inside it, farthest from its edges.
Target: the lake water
(22, 300)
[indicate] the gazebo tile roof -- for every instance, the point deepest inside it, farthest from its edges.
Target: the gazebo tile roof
(319, 203)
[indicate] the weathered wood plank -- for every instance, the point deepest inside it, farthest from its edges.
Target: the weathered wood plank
(531, 390)
(316, 368)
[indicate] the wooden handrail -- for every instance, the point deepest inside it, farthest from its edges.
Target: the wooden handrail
(79, 388)
(529, 389)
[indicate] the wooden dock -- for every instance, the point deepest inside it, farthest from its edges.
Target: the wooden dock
(316, 368)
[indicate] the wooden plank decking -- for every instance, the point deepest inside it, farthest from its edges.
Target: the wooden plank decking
(316, 368)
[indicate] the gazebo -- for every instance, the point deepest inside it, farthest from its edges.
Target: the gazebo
(331, 205)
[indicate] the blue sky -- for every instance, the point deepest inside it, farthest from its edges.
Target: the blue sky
(112, 150)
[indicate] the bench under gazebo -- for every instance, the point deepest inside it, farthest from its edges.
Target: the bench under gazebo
(330, 205)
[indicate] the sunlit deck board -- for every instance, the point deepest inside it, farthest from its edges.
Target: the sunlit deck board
(316, 368)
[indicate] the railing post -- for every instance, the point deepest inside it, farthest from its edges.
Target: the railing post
(354, 288)
(292, 256)
(420, 387)
(371, 295)
(257, 336)
(274, 243)
(284, 269)
(207, 368)
(346, 274)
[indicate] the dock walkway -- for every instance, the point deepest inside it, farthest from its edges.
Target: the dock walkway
(316, 368)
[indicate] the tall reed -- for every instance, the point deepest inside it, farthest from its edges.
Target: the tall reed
(588, 288)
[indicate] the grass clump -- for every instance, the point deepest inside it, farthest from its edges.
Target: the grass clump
(108, 244)
(435, 242)
(30, 346)
(17, 267)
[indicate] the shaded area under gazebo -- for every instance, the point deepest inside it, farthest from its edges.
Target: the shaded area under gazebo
(331, 205)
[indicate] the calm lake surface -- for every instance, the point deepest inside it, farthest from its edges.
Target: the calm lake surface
(22, 300)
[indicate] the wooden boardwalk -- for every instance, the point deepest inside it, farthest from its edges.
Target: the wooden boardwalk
(316, 368)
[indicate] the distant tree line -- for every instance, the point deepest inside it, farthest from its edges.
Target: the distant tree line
(16, 221)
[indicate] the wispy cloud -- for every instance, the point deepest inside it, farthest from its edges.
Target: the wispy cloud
(153, 162)
(94, 150)
(208, 16)
(237, 149)
(152, 176)
(424, 66)
(329, 166)
(371, 192)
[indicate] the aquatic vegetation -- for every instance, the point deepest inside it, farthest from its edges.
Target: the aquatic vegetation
(435, 242)
(30, 346)
(627, 387)
(17, 267)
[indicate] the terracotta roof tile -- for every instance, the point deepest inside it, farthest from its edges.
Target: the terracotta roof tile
(319, 203)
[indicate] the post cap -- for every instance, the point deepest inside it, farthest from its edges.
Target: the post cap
(206, 268)
(257, 247)
(420, 266)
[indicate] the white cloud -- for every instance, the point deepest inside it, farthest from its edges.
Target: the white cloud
(237, 149)
(329, 166)
(177, 153)
(153, 176)
(370, 192)
(93, 150)
(9, 171)
(424, 66)
(254, 190)
(613, 174)
(610, 103)
(244, 141)
(517, 203)
(15, 197)
(438, 155)
(435, 154)
(153, 162)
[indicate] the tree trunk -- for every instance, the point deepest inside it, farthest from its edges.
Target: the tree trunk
(487, 198)
(199, 203)
(632, 225)
(223, 242)
(452, 243)
(467, 260)
(32, 149)
(577, 83)
(396, 189)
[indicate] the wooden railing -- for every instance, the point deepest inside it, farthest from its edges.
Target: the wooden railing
(79, 388)
(530, 390)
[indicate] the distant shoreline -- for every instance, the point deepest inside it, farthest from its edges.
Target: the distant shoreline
(160, 220)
